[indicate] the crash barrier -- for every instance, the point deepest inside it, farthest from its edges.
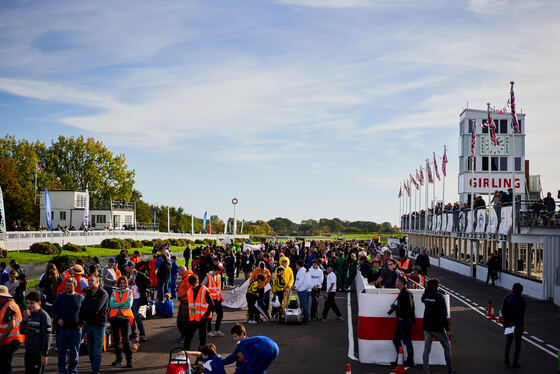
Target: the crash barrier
(376, 328)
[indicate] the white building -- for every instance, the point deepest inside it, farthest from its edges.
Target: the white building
(493, 165)
(68, 210)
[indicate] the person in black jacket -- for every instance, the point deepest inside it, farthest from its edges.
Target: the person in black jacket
(94, 314)
(404, 308)
(163, 275)
(513, 311)
(423, 261)
(247, 262)
(37, 328)
(187, 255)
(435, 324)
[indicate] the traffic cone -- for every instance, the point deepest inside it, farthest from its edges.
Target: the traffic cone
(489, 312)
(500, 317)
(348, 370)
(492, 314)
(400, 364)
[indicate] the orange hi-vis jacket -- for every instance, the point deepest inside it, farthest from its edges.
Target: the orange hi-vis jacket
(14, 334)
(125, 312)
(65, 274)
(421, 283)
(404, 265)
(184, 285)
(198, 307)
(215, 286)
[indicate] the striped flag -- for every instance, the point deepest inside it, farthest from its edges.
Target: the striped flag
(421, 176)
(400, 191)
(514, 122)
(492, 129)
(444, 161)
(413, 181)
(429, 171)
(473, 141)
(435, 168)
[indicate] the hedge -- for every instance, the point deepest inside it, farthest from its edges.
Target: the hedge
(135, 243)
(46, 248)
(73, 247)
(115, 243)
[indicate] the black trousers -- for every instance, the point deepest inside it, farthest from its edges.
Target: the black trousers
(330, 303)
(219, 311)
(121, 329)
(32, 362)
(7, 353)
(190, 330)
(517, 334)
(254, 313)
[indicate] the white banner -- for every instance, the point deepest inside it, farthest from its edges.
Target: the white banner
(253, 247)
(2, 213)
(449, 222)
(505, 224)
(443, 222)
(492, 222)
(438, 223)
(86, 211)
(480, 220)
(470, 226)
(236, 299)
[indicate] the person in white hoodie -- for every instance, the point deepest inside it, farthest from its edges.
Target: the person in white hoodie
(303, 286)
(317, 277)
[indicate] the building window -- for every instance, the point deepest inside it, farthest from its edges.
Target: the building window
(495, 161)
(471, 121)
(503, 126)
(470, 163)
(484, 163)
(63, 216)
(503, 163)
(518, 164)
(520, 127)
(92, 219)
(128, 220)
(101, 218)
(80, 200)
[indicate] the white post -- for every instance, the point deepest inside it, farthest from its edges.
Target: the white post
(426, 211)
(489, 158)
(234, 223)
(473, 158)
(514, 132)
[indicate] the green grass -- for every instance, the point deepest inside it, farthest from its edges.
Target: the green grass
(24, 257)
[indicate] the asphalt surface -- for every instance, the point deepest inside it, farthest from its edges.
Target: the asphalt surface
(323, 347)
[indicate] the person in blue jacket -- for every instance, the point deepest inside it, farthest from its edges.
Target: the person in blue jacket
(213, 363)
(259, 352)
(238, 333)
(173, 278)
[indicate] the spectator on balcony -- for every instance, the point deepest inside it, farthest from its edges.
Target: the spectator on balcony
(538, 207)
(479, 203)
(497, 204)
(550, 203)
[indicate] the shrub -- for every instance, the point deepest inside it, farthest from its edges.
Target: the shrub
(198, 241)
(147, 243)
(178, 242)
(73, 247)
(46, 248)
(115, 243)
(62, 262)
(135, 243)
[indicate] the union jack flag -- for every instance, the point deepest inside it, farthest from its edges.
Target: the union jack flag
(400, 191)
(514, 122)
(429, 171)
(473, 141)
(444, 161)
(435, 168)
(421, 180)
(414, 181)
(407, 188)
(492, 129)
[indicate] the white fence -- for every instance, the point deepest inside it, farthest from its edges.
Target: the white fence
(22, 240)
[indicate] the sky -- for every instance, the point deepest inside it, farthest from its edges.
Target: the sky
(298, 108)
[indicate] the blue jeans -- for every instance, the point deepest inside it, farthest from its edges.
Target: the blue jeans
(68, 340)
(403, 333)
(95, 337)
(137, 320)
(162, 288)
(173, 286)
(315, 302)
(304, 303)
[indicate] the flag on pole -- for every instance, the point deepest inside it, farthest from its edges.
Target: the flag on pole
(154, 217)
(37, 167)
(429, 171)
(204, 223)
(444, 161)
(473, 142)
(514, 121)
(400, 191)
(414, 181)
(192, 224)
(229, 226)
(421, 176)
(435, 168)
(492, 129)
(2, 213)
(86, 211)
(242, 223)
(48, 211)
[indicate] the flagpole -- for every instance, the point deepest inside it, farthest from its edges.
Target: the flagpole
(472, 170)
(400, 204)
(434, 196)
(514, 132)
(35, 197)
(409, 209)
(443, 192)
(426, 212)
(489, 157)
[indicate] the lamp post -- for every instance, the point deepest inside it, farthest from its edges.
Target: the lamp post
(234, 201)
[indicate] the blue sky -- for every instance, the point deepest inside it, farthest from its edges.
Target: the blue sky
(299, 108)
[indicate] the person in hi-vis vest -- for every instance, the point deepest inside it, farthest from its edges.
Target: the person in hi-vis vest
(10, 337)
(121, 317)
(199, 309)
(213, 282)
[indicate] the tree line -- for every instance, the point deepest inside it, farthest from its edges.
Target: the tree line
(77, 163)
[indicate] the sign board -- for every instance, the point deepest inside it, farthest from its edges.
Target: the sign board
(482, 182)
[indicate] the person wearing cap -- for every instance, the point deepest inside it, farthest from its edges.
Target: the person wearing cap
(110, 276)
(96, 264)
(10, 336)
(81, 281)
(66, 314)
(330, 302)
(139, 283)
(136, 258)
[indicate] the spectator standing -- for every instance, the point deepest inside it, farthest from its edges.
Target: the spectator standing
(163, 275)
(109, 277)
(173, 277)
(229, 262)
(139, 283)
(121, 318)
(423, 260)
(21, 292)
(4, 273)
(37, 328)
(549, 203)
(48, 286)
(66, 309)
(10, 335)
(122, 259)
(435, 324)
(12, 284)
(187, 255)
(388, 276)
(199, 306)
(94, 315)
(303, 285)
(317, 277)
(213, 282)
(247, 262)
(513, 311)
(493, 267)
(330, 302)
(78, 275)
(404, 308)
